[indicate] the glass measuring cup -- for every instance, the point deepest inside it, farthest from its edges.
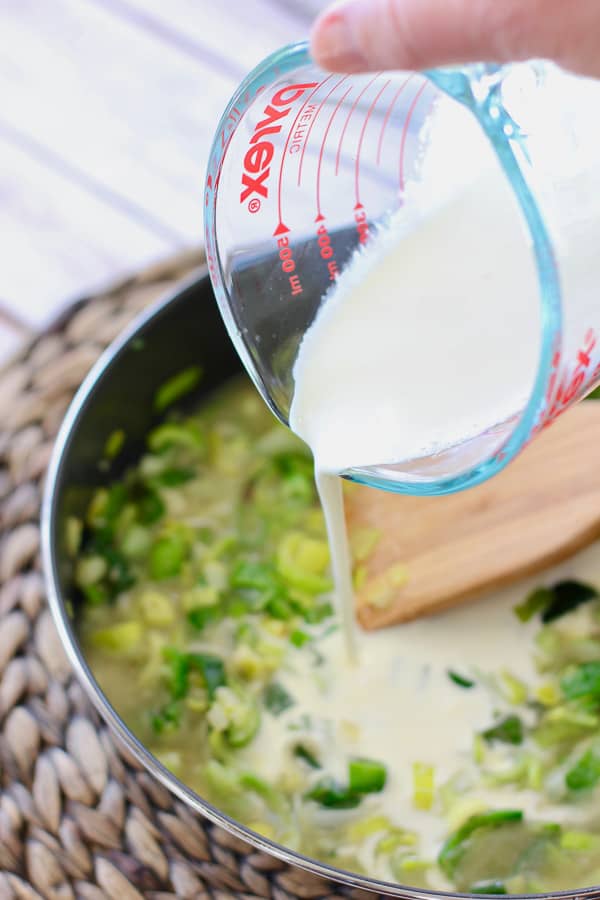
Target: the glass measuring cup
(304, 167)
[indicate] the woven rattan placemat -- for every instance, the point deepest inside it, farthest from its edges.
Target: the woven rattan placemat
(79, 818)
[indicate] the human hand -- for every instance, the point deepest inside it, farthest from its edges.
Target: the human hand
(366, 35)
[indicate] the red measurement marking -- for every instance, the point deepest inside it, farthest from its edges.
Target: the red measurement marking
(310, 127)
(568, 383)
(388, 114)
(322, 151)
(288, 264)
(211, 262)
(326, 250)
(361, 139)
(349, 116)
(212, 185)
(409, 116)
(295, 285)
(362, 223)
(248, 96)
(283, 156)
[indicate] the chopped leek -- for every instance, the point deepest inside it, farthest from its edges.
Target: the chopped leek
(172, 435)
(547, 694)
(277, 699)
(330, 793)
(302, 752)
(244, 727)
(534, 603)
(150, 507)
(508, 731)
(567, 596)
(177, 387)
(395, 838)
(364, 828)
(273, 798)
(167, 556)
(302, 561)
(210, 667)
(200, 616)
(554, 602)
(513, 688)
(73, 535)
(167, 719)
(579, 840)
(316, 614)
(423, 785)
(381, 590)
(366, 776)
(174, 477)
(460, 680)
(363, 541)
(121, 638)
(136, 542)
(456, 845)
(585, 774)
(156, 608)
(90, 570)
(582, 682)
(299, 638)
(114, 443)
(235, 715)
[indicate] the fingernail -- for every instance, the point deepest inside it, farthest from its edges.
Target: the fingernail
(334, 42)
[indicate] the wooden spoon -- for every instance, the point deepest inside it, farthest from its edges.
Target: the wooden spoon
(539, 510)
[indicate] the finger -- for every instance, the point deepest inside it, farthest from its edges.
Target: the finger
(362, 35)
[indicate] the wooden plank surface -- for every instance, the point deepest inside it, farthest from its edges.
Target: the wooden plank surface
(108, 109)
(234, 36)
(127, 111)
(51, 242)
(12, 335)
(306, 9)
(536, 513)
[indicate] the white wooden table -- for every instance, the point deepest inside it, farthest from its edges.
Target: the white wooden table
(106, 116)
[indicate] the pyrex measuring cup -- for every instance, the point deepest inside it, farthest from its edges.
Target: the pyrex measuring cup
(304, 167)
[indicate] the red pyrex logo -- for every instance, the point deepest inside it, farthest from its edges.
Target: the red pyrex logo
(257, 161)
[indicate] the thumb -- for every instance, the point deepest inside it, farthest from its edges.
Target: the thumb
(362, 35)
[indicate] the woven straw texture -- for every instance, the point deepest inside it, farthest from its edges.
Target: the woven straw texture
(80, 818)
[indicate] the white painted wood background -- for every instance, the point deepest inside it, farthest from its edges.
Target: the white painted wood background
(107, 110)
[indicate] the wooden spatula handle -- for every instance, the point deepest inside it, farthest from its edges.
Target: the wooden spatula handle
(541, 509)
